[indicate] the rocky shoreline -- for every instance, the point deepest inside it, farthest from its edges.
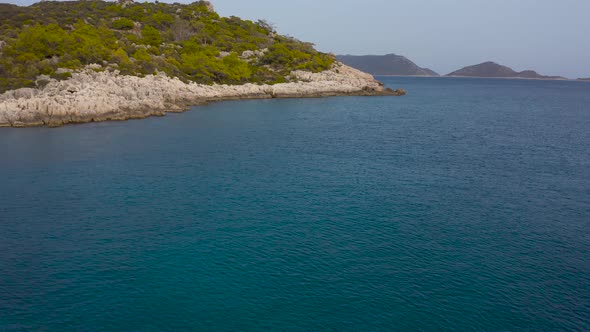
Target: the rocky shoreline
(90, 96)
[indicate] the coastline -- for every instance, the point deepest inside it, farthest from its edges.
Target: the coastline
(513, 78)
(406, 75)
(90, 96)
(483, 77)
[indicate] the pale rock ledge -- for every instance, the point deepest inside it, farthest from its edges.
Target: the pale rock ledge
(99, 96)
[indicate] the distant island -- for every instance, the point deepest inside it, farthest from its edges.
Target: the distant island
(397, 65)
(493, 70)
(584, 79)
(389, 64)
(82, 61)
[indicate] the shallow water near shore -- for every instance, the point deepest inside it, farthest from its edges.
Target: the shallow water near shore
(463, 205)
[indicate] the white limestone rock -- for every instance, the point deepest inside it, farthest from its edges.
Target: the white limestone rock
(98, 96)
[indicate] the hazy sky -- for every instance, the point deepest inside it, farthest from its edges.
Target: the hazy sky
(550, 36)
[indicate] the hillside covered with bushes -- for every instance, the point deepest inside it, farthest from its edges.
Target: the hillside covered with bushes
(191, 42)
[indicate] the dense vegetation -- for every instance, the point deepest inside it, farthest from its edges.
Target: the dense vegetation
(191, 42)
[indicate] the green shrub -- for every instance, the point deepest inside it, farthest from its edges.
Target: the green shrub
(151, 36)
(61, 76)
(122, 24)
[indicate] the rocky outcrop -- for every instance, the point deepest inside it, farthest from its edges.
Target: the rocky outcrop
(252, 55)
(209, 6)
(399, 92)
(99, 96)
(125, 3)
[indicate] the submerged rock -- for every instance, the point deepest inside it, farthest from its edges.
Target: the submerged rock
(400, 92)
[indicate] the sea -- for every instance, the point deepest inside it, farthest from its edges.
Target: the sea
(464, 205)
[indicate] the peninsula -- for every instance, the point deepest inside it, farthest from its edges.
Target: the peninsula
(83, 61)
(389, 64)
(493, 70)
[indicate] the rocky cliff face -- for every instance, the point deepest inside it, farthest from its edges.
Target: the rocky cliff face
(99, 96)
(389, 64)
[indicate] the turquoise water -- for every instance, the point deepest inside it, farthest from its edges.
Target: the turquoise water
(464, 205)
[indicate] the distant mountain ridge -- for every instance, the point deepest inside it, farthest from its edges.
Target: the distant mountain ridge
(389, 64)
(494, 70)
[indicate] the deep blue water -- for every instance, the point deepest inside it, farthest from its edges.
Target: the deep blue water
(464, 205)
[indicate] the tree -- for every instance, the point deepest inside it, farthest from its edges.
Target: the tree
(162, 20)
(151, 36)
(88, 45)
(181, 30)
(42, 41)
(123, 24)
(267, 26)
(236, 69)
